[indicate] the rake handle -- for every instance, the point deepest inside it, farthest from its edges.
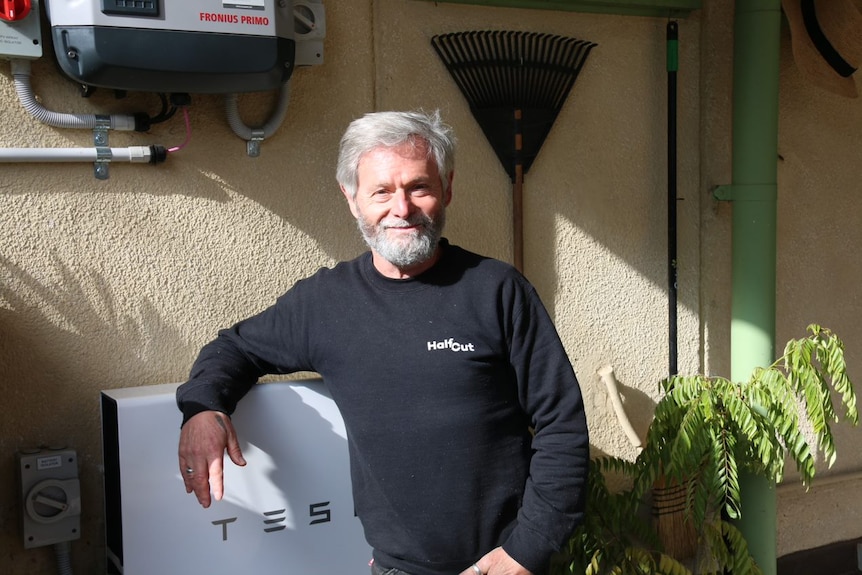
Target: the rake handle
(518, 218)
(518, 197)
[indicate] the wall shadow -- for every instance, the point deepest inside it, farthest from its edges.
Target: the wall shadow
(56, 336)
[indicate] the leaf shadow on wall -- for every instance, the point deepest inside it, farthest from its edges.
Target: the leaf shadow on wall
(72, 330)
(63, 340)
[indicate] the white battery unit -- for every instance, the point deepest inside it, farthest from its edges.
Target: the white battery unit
(289, 510)
(206, 46)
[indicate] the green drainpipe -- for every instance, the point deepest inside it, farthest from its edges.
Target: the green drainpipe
(753, 192)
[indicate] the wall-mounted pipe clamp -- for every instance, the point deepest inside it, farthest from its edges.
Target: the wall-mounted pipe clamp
(746, 193)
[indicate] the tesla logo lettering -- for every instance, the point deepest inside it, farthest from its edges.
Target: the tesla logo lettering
(275, 520)
(320, 511)
(223, 523)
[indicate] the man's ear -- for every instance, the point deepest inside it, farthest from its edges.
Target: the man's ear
(351, 203)
(448, 193)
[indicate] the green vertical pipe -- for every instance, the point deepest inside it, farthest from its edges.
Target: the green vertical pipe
(755, 151)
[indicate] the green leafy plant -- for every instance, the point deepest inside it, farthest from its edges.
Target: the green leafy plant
(705, 432)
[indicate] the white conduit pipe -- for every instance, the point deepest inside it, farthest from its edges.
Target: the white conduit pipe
(246, 133)
(134, 154)
(21, 79)
(606, 374)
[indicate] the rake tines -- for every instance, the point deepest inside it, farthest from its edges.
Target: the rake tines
(515, 84)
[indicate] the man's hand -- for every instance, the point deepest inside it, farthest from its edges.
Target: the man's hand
(203, 441)
(497, 562)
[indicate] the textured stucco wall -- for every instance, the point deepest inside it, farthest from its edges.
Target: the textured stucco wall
(595, 198)
(817, 265)
(117, 283)
(818, 274)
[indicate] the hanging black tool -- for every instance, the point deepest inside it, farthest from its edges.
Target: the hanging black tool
(516, 84)
(672, 67)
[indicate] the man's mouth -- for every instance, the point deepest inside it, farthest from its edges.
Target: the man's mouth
(403, 226)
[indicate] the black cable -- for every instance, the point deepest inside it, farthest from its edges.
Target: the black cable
(166, 113)
(672, 67)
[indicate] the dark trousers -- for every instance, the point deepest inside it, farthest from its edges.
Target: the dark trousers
(378, 570)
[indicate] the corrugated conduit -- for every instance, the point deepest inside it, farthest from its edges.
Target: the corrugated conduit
(247, 133)
(21, 79)
(134, 154)
(63, 552)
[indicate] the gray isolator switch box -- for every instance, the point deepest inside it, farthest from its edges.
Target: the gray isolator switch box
(50, 496)
(22, 38)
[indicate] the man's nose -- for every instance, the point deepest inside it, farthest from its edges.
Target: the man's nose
(401, 204)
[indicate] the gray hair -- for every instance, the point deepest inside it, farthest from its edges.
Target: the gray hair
(389, 130)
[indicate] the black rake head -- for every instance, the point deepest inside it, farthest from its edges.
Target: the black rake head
(515, 84)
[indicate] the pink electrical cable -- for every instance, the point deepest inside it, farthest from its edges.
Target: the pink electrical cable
(188, 132)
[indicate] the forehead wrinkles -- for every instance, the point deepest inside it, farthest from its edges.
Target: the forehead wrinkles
(406, 163)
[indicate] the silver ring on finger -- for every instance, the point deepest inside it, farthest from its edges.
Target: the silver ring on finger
(476, 569)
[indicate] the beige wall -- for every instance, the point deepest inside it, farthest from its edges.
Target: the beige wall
(819, 271)
(117, 283)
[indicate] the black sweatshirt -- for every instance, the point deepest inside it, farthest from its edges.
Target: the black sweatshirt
(465, 421)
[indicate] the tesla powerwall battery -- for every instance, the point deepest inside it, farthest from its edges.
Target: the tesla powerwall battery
(290, 510)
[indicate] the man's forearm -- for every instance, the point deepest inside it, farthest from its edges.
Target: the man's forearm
(219, 378)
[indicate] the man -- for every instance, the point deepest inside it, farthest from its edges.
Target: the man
(466, 429)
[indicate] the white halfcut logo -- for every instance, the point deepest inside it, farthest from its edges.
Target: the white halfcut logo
(451, 345)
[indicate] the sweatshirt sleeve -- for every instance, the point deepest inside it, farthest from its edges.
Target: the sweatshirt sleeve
(555, 491)
(227, 367)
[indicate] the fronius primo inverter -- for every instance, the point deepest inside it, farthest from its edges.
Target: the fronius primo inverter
(205, 46)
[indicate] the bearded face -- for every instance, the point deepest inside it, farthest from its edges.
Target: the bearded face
(400, 207)
(404, 242)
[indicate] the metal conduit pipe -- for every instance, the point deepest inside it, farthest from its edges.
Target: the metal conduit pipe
(21, 79)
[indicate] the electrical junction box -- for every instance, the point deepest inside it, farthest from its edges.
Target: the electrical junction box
(22, 37)
(51, 496)
(205, 46)
(310, 30)
(289, 510)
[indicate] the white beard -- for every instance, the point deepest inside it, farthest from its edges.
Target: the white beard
(408, 251)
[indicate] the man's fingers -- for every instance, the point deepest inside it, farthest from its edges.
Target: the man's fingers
(203, 440)
(196, 479)
(233, 449)
(216, 479)
(201, 487)
(187, 473)
(497, 562)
